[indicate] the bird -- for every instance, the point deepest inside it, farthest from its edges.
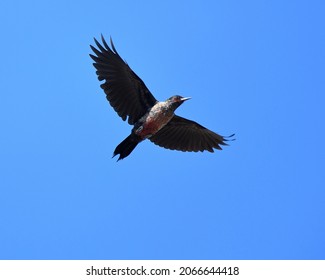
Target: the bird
(151, 119)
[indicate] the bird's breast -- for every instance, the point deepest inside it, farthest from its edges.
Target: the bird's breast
(153, 121)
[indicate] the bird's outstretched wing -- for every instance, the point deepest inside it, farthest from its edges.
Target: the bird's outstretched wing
(187, 136)
(124, 90)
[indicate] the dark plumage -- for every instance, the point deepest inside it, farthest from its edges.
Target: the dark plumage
(152, 120)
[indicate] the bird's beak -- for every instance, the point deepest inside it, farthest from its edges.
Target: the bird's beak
(185, 98)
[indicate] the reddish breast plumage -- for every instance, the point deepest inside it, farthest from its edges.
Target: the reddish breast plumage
(158, 116)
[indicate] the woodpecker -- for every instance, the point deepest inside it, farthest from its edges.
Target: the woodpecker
(151, 119)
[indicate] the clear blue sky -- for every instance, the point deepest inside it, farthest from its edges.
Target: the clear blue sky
(254, 68)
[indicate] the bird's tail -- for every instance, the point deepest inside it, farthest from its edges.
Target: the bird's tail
(127, 146)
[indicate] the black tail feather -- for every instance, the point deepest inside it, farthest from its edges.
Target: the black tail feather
(127, 146)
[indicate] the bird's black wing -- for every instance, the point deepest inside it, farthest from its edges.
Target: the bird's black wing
(125, 91)
(187, 136)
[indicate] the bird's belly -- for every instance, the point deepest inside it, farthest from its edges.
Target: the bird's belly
(152, 124)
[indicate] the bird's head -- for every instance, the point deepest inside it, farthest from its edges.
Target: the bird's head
(176, 100)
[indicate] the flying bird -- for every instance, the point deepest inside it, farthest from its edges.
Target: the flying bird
(151, 119)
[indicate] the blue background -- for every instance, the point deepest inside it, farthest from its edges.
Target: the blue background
(254, 68)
